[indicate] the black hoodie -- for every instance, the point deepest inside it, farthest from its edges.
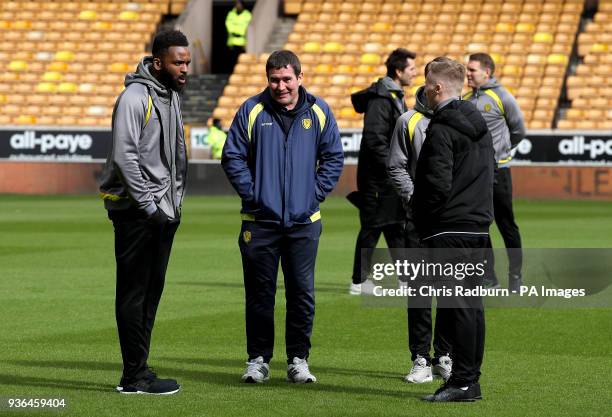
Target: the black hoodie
(454, 174)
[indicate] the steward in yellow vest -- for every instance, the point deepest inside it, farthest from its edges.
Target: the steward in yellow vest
(237, 24)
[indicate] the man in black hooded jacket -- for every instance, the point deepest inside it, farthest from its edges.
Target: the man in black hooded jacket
(453, 209)
(380, 207)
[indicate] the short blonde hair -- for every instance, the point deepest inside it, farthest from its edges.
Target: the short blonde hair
(448, 72)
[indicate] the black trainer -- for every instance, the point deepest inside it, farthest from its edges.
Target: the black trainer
(154, 386)
(514, 283)
(448, 393)
(150, 374)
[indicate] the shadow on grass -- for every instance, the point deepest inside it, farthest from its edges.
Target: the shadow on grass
(230, 363)
(231, 378)
(31, 381)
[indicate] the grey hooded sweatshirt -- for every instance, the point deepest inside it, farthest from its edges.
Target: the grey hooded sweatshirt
(406, 143)
(503, 116)
(147, 166)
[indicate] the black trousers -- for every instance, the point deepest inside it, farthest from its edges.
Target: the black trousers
(504, 218)
(262, 246)
(366, 243)
(461, 319)
(142, 251)
(420, 331)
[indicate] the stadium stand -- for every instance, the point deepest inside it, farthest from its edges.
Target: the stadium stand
(590, 88)
(343, 44)
(64, 62)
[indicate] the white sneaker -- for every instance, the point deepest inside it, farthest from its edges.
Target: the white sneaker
(299, 373)
(257, 371)
(420, 372)
(355, 289)
(444, 368)
(367, 287)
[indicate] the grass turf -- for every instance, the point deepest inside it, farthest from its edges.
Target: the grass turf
(58, 336)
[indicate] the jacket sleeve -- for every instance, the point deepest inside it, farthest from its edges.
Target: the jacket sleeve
(514, 119)
(235, 155)
(399, 160)
(435, 171)
(330, 157)
(378, 118)
(128, 122)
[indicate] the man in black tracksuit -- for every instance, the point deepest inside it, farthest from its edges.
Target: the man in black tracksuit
(453, 209)
(380, 207)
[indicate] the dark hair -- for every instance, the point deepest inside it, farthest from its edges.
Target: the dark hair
(164, 40)
(485, 61)
(283, 59)
(397, 61)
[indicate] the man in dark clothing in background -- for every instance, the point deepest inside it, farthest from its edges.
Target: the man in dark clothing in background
(453, 209)
(380, 207)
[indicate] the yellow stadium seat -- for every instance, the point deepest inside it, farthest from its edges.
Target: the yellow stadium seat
(46, 87)
(370, 59)
(52, 76)
(324, 69)
(103, 25)
(557, 59)
(333, 47)
(88, 15)
(64, 56)
(504, 27)
(120, 67)
(25, 119)
(67, 88)
(543, 37)
(129, 15)
(22, 24)
(598, 48)
(381, 27)
(18, 66)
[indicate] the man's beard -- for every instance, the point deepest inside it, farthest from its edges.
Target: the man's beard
(171, 83)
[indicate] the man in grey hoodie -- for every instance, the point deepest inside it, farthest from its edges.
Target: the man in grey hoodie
(406, 143)
(505, 122)
(142, 186)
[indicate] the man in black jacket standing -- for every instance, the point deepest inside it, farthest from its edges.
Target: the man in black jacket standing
(380, 207)
(453, 209)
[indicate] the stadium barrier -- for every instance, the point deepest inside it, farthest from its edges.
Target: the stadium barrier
(548, 164)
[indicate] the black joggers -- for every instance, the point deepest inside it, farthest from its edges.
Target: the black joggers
(461, 319)
(504, 218)
(142, 251)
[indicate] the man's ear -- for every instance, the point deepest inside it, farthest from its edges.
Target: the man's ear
(157, 64)
(300, 78)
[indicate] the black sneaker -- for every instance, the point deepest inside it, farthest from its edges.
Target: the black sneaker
(514, 283)
(491, 283)
(448, 393)
(153, 386)
(150, 374)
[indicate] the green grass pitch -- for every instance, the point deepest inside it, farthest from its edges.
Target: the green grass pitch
(58, 336)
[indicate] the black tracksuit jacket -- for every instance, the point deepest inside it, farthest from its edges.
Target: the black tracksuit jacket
(454, 173)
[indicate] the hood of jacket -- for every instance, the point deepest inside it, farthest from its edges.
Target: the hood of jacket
(381, 88)
(420, 104)
(492, 83)
(463, 117)
(143, 75)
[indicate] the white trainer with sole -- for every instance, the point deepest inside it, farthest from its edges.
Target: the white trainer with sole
(420, 372)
